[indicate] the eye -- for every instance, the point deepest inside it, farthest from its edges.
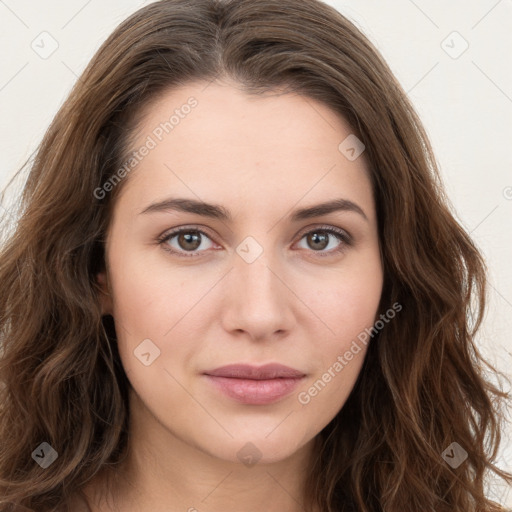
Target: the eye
(318, 239)
(190, 240)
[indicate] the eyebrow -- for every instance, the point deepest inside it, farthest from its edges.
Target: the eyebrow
(215, 211)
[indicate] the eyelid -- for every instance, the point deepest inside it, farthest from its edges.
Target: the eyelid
(343, 236)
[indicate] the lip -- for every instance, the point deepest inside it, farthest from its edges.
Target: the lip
(255, 385)
(247, 371)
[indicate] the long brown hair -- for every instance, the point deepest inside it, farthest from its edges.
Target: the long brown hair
(423, 385)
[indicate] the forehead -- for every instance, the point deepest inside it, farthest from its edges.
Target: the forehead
(214, 141)
(221, 109)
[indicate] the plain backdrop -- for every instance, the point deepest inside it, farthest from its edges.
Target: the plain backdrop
(452, 58)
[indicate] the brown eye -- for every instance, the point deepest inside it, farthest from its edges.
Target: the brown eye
(316, 241)
(319, 240)
(187, 241)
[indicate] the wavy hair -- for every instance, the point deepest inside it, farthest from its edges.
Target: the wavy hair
(423, 384)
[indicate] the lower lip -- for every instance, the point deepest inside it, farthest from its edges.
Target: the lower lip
(255, 392)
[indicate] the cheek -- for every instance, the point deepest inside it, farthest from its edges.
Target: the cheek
(321, 399)
(153, 301)
(144, 287)
(346, 300)
(347, 304)
(136, 299)
(350, 311)
(143, 300)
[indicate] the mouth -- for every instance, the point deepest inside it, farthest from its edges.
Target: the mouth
(253, 385)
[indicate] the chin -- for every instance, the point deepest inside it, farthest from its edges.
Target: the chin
(257, 449)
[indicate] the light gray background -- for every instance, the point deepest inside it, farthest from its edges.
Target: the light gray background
(463, 97)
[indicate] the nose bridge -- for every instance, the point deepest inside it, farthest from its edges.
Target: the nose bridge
(256, 267)
(259, 301)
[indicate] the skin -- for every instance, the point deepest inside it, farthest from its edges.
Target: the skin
(260, 158)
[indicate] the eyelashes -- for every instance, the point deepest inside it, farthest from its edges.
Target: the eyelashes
(328, 231)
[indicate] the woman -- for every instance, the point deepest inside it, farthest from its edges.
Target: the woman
(235, 283)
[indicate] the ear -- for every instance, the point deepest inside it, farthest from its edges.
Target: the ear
(105, 296)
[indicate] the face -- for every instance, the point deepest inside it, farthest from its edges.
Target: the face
(248, 281)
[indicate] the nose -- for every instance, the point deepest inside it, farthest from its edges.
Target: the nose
(258, 302)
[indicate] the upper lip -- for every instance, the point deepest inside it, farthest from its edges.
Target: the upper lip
(247, 371)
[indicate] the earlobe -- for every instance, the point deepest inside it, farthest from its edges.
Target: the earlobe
(105, 295)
